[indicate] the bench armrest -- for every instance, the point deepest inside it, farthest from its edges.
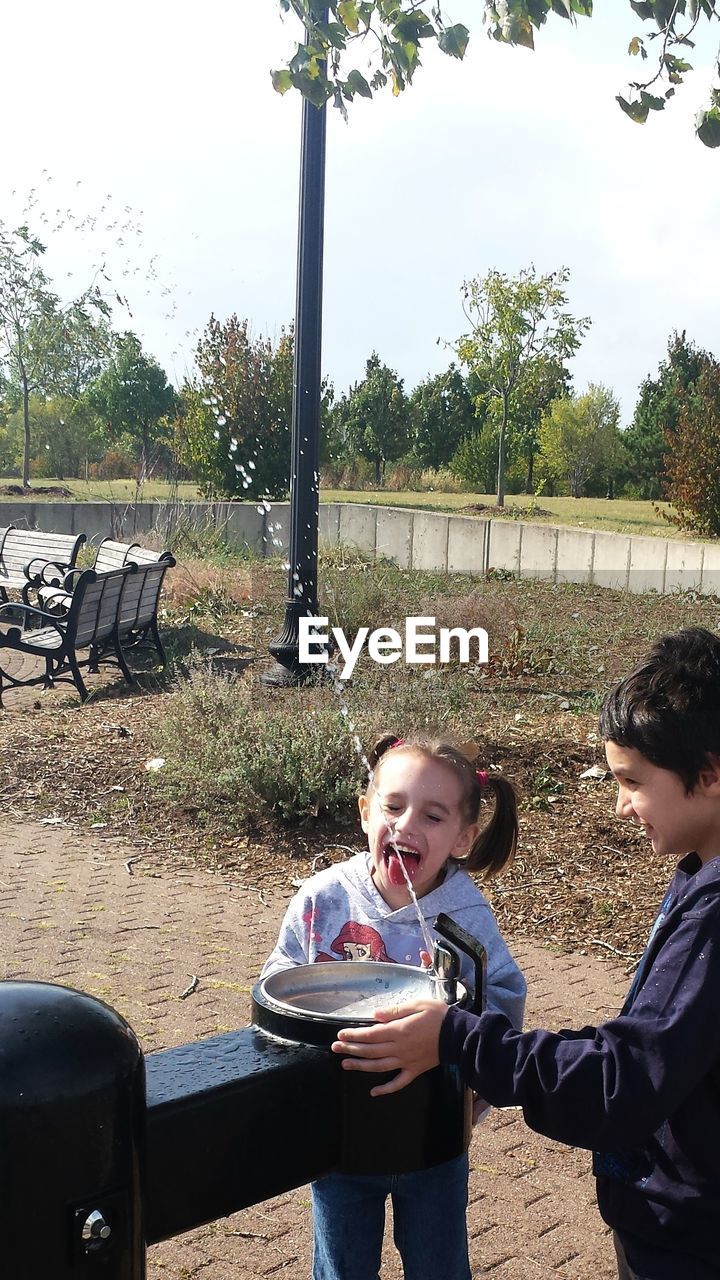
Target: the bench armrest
(29, 611)
(38, 569)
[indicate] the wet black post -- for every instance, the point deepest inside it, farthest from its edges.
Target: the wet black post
(72, 1120)
(304, 473)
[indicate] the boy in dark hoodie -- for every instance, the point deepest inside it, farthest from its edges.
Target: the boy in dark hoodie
(642, 1090)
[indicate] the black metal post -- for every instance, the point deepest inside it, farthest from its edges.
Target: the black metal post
(304, 474)
(72, 1120)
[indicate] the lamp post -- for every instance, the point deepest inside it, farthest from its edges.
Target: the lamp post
(304, 472)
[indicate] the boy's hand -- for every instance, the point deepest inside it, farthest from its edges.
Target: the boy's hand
(406, 1041)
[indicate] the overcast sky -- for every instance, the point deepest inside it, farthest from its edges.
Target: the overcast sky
(160, 121)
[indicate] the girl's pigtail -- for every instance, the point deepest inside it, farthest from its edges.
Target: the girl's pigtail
(494, 846)
(377, 751)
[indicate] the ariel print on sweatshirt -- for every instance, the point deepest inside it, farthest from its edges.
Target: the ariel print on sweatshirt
(356, 942)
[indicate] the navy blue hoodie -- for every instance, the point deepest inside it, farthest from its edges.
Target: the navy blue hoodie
(642, 1090)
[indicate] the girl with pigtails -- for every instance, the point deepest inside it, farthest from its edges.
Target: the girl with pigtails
(421, 813)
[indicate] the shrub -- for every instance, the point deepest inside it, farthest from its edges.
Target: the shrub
(692, 463)
(236, 752)
(114, 465)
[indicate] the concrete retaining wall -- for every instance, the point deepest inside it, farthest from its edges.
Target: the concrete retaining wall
(413, 539)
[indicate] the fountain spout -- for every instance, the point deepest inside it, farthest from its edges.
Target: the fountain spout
(445, 969)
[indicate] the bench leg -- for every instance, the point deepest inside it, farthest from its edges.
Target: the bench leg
(122, 662)
(79, 682)
(158, 642)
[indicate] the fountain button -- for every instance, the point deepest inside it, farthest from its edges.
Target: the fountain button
(95, 1228)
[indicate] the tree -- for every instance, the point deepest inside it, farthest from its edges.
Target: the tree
(234, 430)
(374, 419)
(542, 382)
(66, 434)
(134, 398)
(656, 413)
(579, 436)
(442, 414)
(692, 465)
(475, 460)
(318, 67)
(518, 325)
(35, 327)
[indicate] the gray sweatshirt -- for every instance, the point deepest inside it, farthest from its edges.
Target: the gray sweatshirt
(339, 915)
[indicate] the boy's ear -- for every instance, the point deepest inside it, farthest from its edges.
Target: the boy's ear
(710, 776)
(364, 807)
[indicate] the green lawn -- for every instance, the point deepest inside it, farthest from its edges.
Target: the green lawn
(621, 515)
(103, 491)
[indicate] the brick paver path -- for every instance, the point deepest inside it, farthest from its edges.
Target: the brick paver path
(71, 912)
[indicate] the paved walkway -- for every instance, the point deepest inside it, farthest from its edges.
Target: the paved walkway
(74, 909)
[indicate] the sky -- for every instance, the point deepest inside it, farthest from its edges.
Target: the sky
(152, 141)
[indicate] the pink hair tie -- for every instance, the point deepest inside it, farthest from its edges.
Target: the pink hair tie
(399, 742)
(482, 776)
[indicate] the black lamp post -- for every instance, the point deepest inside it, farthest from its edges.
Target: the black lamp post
(304, 474)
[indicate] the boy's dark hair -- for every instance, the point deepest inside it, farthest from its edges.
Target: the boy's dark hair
(494, 845)
(668, 708)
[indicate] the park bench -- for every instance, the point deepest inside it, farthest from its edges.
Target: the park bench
(24, 553)
(107, 611)
(137, 617)
(137, 611)
(90, 621)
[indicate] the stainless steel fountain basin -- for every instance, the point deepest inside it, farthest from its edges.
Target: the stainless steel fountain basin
(347, 991)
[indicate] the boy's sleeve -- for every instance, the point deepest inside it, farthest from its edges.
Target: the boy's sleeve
(291, 947)
(607, 1087)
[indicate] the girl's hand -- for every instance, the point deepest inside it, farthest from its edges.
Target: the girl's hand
(406, 1041)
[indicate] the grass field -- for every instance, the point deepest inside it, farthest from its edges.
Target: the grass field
(621, 515)
(102, 491)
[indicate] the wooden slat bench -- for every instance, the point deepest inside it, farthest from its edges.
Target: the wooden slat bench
(137, 617)
(107, 612)
(26, 553)
(90, 622)
(137, 620)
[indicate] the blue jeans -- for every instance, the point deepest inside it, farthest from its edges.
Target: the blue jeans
(430, 1230)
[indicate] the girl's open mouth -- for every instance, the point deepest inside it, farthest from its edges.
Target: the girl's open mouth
(398, 856)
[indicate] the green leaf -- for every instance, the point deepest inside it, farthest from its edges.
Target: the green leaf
(708, 127)
(635, 110)
(651, 102)
(454, 40)
(522, 34)
(643, 10)
(333, 32)
(358, 84)
(281, 80)
(635, 46)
